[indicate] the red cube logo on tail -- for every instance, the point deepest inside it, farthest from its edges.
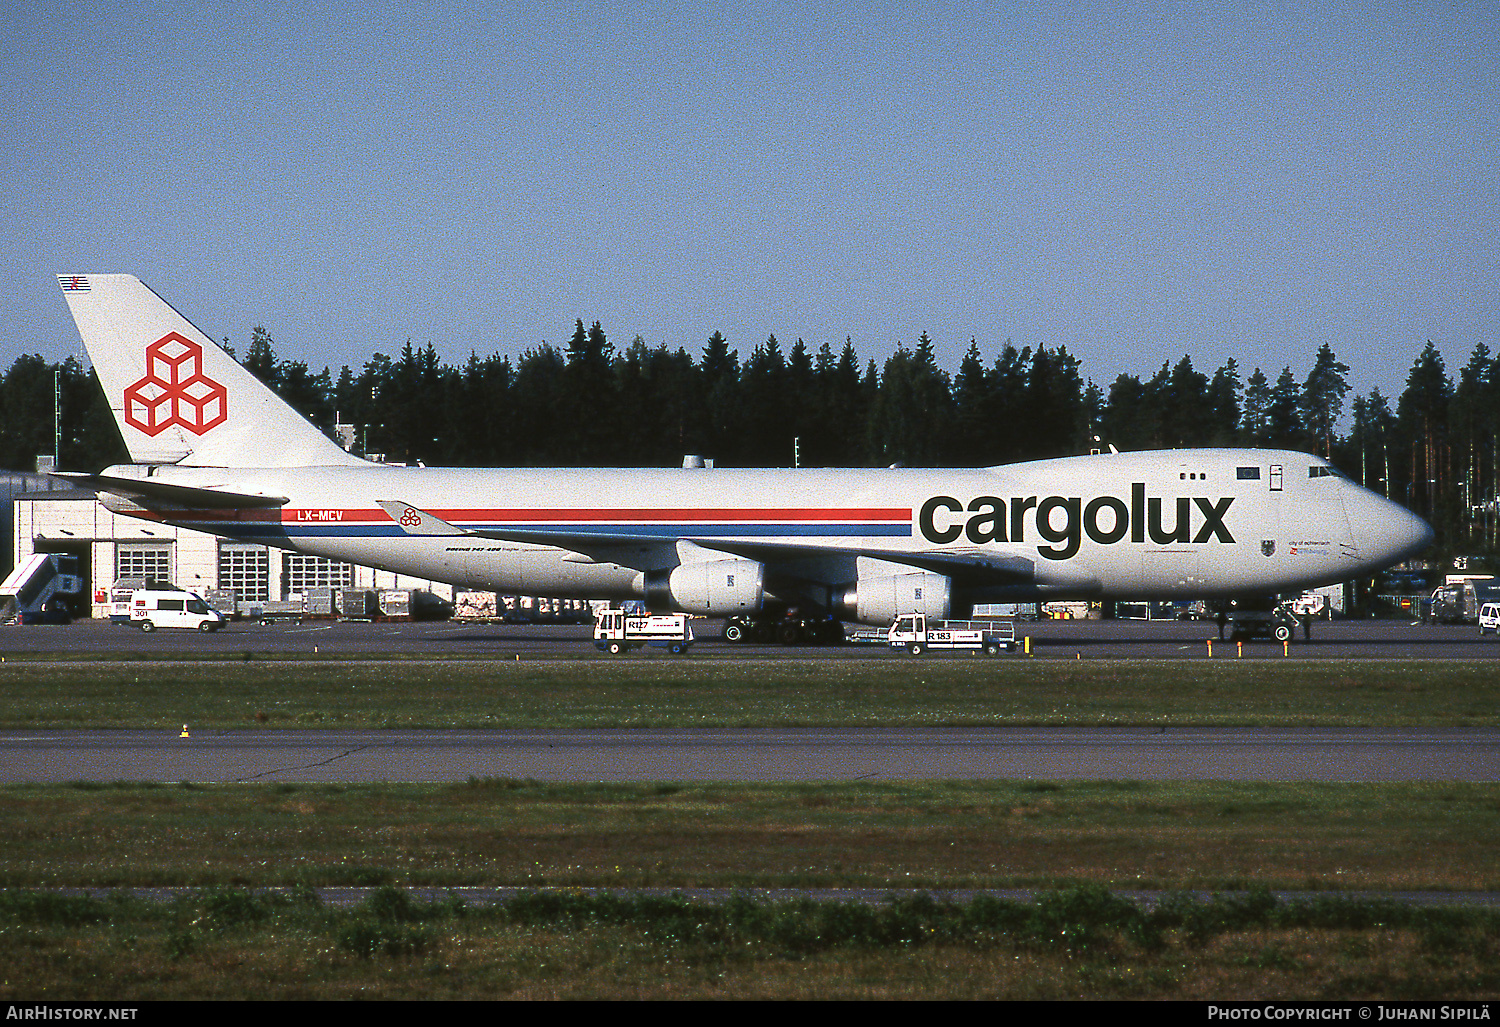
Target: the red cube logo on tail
(175, 390)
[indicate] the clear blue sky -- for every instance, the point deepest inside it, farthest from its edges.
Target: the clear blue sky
(1135, 181)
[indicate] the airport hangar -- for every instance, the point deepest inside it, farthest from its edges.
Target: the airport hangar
(47, 517)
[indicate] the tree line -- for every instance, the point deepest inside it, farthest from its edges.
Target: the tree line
(590, 403)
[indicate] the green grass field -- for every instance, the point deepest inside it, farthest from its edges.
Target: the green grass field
(744, 693)
(942, 835)
(1074, 943)
(1075, 836)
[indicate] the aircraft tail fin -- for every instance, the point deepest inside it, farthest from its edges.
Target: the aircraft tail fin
(177, 396)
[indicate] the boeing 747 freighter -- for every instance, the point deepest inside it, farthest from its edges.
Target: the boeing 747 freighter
(215, 450)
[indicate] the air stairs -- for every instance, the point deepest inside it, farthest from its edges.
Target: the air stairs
(42, 588)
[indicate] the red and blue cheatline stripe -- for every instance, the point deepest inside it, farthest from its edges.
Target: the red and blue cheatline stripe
(676, 522)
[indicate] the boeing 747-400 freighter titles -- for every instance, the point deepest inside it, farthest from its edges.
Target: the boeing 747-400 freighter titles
(216, 450)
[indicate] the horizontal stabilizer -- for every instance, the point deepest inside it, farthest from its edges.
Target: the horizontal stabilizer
(154, 493)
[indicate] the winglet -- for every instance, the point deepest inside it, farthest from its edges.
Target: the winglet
(417, 522)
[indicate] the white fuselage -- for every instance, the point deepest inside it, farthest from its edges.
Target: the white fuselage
(1161, 524)
(217, 450)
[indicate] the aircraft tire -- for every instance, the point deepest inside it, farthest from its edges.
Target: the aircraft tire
(734, 632)
(789, 633)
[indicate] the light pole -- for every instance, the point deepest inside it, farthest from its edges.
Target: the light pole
(57, 418)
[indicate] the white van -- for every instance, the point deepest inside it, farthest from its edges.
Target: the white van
(1489, 619)
(151, 609)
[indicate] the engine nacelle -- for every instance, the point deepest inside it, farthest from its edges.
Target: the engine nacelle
(880, 600)
(715, 588)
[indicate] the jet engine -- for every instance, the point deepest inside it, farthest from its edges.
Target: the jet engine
(715, 588)
(880, 600)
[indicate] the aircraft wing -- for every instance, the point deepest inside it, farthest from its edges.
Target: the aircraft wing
(154, 493)
(969, 568)
(964, 568)
(415, 521)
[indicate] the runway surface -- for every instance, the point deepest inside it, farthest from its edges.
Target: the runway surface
(1219, 754)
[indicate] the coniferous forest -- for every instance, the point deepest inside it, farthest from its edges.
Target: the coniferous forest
(592, 403)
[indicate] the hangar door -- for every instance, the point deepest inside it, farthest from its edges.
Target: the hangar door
(245, 568)
(79, 605)
(149, 560)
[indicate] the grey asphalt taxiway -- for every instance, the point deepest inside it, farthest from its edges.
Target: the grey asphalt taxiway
(1312, 754)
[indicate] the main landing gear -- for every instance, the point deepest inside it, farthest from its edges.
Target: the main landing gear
(1261, 618)
(785, 630)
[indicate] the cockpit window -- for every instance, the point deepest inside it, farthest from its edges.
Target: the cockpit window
(1320, 471)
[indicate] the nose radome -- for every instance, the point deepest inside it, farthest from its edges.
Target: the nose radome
(1394, 532)
(1415, 533)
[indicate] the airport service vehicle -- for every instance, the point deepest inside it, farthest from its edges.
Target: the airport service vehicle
(1489, 619)
(120, 592)
(1459, 601)
(1310, 604)
(1278, 621)
(153, 608)
(618, 631)
(215, 450)
(916, 634)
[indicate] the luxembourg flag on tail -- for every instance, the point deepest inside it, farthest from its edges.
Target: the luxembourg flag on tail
(73, 283)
